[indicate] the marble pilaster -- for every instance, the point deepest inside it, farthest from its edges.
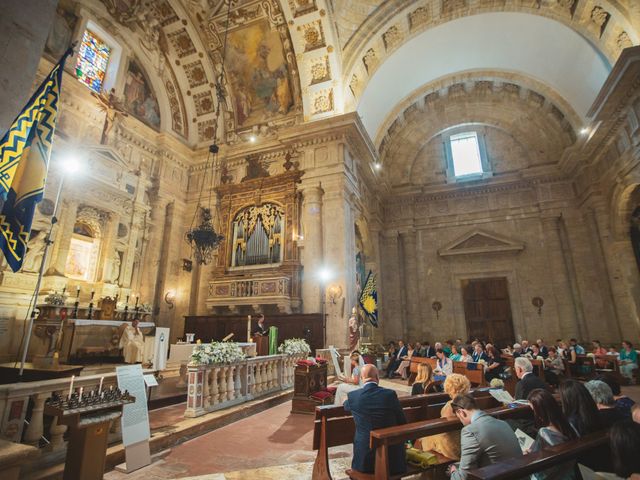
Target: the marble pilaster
(313, 254)
(410, 291)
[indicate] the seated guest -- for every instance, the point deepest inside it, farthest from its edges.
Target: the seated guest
(392, 351)
(447, 444)
(624, 439)
(635, 413)
(579, 349)
(437, 346)
(544, 351)
(464, 355)
(603, 396)
(403, 368)
(374, 407)
(444, 365)
(554, 367)
(553, 429)
(455, 356)
(526, 349)
(579, 408)
(484, 440)
(424, 381)
(628, 360)
(528, 381)
(396, 359)
(429, 351)
(623, 403)
(478, 354)
(447, 348)
(495, 365)
(534, 352)
(517, 350)
(563, 350)
(598, 349)
(418, 350)
(351, 383)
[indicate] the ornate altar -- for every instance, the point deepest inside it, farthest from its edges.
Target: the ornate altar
(258, 262)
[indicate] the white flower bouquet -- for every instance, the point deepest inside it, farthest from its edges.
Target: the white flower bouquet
(216, 352)
(295, 346)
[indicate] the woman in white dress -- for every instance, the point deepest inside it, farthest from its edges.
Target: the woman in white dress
(349, 384)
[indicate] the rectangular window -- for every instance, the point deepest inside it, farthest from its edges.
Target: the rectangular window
(93, 58)
(465, 153)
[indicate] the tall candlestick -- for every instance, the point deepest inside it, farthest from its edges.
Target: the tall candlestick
(137, 298)
(126, 302)
(117, 300)
(81, 390)
(93, 292)
(78, 291)
(100, 387)
(64, 289)
(71, 386)
(248, 328)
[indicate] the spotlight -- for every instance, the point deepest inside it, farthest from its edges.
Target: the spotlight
(252, 138)
(377, 166)
(584, 131)
(71, 164)
(325, 274)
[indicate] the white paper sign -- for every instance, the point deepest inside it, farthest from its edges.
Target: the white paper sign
(135, 417)
(525, 440)
(150, 380)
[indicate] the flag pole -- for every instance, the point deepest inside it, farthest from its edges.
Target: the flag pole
(48, 241)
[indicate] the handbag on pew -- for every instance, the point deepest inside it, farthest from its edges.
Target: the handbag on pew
(420, 458)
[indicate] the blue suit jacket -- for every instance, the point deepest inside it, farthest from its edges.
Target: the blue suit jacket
(374, 407)
(403, 351)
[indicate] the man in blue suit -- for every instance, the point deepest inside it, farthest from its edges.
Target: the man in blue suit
(374, 407)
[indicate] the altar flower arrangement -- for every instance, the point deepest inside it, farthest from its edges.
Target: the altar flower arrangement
(56, 299)
(295, 346)
(216, 353)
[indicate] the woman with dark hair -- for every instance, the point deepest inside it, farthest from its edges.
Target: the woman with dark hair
(444, 366)
(553, 429)
(494, 365)
(624, 438)
(579, 408)
(628, 360)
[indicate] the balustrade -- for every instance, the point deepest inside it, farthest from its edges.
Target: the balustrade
(226, 385)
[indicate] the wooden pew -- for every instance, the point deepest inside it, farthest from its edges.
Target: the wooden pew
(521, 467)
(383, 438)
(334, 426)
(475, 376)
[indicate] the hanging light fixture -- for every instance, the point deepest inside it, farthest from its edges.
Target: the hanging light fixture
(203, 238)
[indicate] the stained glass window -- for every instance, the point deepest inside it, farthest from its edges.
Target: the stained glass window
(93, 58)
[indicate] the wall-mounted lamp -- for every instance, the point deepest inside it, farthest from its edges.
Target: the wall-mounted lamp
(436, 306)
(334, 292)
(538, 302)
(325, 274)
(170, 298)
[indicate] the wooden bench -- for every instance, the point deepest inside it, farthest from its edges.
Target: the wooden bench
(384, 438)
(521, 467)
(334, 426)
(475, 375)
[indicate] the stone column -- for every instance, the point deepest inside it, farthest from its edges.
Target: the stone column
(393, 314)
(622, 253)
(413, 326)
(570, 321)
(312, 252)
(67, 219)
(339, 258)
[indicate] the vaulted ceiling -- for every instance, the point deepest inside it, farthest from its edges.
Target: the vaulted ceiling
(295, 61)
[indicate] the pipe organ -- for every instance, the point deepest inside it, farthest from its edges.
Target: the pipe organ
(258, 265)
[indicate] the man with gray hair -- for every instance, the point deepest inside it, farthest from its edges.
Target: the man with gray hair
(603, 396)
(528, 380)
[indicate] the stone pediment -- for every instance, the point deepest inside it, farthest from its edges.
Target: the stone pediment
(477, 242)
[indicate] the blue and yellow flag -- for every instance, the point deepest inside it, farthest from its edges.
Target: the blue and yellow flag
(24, 161)
(369, 299)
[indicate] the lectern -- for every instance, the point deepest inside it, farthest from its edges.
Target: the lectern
(262, 345)
(88, 417)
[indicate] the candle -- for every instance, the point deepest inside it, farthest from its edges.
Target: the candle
(78, 291)
(93, 292)
(81, 390)
(100, 387)
(248, 328)
(127, 300)
(71, 386)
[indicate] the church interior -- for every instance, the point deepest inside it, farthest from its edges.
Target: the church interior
(235, 195)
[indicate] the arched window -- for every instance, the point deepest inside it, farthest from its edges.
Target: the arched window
(466, 155)
(257, 236)
(93, 58)
(84, 252)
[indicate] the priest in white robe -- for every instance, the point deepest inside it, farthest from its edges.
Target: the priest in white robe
(132, 343)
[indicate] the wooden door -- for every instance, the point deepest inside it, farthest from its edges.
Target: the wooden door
(487, 310)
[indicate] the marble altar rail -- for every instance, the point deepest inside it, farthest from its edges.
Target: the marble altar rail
(213, 387)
